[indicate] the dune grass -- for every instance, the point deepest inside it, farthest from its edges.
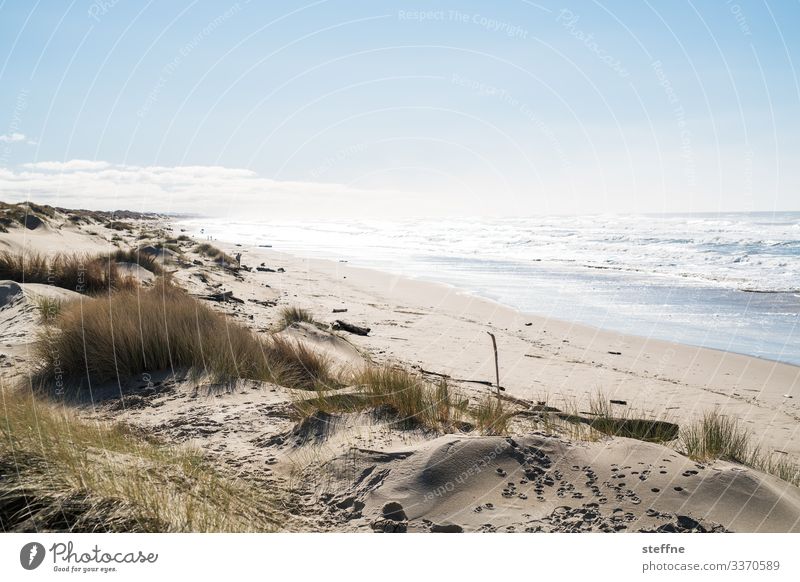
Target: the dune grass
(290, 315)
(491, 416)
(49, 307)
(77, 272)
(716, 436)
(410, 397)
(142, 259)
(164, 328)
(61, 473)
(120, 225)
(394, 391)
(212, 252)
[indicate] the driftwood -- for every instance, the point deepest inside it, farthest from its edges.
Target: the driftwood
(222, 297)
(496, 364)
(340, 311)
(349, 327)
(265, 269)
(465, 380)
(263, 302)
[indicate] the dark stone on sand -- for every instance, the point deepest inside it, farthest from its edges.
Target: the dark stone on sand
(446, 528)
(345, 503)
(394, 511)
(686, 522)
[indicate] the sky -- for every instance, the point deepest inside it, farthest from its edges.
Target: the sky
(336, 108)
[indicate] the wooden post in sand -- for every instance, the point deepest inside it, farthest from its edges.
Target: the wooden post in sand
(496, 365)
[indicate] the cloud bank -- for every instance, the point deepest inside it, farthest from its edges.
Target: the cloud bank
(206, 190)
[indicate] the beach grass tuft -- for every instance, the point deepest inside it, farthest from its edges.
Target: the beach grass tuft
(716, 436)
(138, 258)
(65, 474)
(491, 415)
(77, 272)
(391, 390)
(410, 397)
(164, 328)
(291, 315)
(217, 255)
(49, 307)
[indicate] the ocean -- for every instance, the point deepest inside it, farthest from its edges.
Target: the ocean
(725, 281)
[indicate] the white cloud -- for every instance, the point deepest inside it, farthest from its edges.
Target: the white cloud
(208, 190)
(12, 137)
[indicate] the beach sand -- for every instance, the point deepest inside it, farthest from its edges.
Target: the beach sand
(358, 472)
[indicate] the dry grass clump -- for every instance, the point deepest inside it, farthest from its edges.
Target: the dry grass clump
(717, 437)
(290, 315)
(417, 403)
(63, 474)
(139, 258)
(491, 416)
(120, 225)
(78, 272)
(48, 307)
(410, 397)
(163, 328)
(392, 390)
(328, 402)
(294, 364)
(212, 252)
(720, 437)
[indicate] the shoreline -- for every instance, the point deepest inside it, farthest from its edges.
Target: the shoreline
(630, 302)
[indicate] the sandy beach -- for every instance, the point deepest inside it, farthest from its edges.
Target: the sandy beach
(359, 471)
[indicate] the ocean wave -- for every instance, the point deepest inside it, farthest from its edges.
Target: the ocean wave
(737, 251)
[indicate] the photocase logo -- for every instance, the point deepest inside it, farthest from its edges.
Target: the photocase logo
(31, 555)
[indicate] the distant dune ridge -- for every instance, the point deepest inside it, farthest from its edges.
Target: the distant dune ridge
(227, 400)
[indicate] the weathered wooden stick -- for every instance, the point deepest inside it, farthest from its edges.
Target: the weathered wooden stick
(349, 327)
(222, 297)
(496, 364)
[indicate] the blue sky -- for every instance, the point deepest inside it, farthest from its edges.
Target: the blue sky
(403, 108)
